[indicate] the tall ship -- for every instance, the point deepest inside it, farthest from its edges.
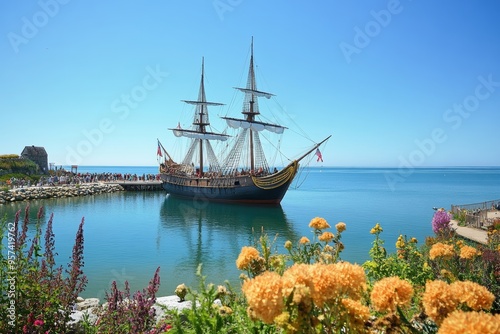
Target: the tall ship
(240, 174)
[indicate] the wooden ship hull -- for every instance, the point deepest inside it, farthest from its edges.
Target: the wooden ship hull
(269, 189)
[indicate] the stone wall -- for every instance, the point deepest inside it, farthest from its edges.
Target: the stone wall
(29, 193)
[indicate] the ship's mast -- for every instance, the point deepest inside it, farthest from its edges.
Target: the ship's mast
(251, 114)
(200, 131)
(201, 123)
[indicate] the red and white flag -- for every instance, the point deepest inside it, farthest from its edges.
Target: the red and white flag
(318, 154)
(158, 151)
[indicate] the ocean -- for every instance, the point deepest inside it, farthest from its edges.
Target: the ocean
(129, 234)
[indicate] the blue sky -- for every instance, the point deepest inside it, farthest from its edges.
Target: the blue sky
(396, 83)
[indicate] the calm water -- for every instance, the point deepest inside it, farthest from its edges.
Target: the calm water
(128, 235)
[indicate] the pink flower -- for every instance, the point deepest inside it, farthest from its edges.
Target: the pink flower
(38, 322)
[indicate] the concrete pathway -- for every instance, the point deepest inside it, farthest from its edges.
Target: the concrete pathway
(470, 233)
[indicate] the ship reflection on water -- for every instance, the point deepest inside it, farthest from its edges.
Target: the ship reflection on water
(212, 234)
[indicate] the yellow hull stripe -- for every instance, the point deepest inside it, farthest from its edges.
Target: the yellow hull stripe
(276, 180)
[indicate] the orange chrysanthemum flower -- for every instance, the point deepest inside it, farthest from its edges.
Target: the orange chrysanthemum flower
(459, 322)
(264, 296)
(304, 240)
(439, 300)
(247, 255)
(340, 227)
(352, 279)
(333, 281)
(468, 252)
(441, 250)
(319, 223)
(391, 292)
(475, 296)
(298, 274)
(326, 236)
(325, 283)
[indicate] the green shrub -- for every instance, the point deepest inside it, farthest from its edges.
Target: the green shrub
(40, 296)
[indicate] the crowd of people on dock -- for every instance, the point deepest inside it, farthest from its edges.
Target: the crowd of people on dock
(80, 178)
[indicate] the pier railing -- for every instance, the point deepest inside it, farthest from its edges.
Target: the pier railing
(475, 214)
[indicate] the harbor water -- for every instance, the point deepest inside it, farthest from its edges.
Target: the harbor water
(129, 234)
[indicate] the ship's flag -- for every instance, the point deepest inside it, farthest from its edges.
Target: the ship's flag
(318, 154)
(158, 151)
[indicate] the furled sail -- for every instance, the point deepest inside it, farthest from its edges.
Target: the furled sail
(199, 135)
(203, 103)
(237, 123)
(255, 92)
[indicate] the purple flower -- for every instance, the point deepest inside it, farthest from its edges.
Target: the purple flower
(441, 221)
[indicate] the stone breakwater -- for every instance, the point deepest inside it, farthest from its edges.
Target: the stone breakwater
(31, 193)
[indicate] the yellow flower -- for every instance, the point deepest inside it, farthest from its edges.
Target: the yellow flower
(277, 261)
(297, 284)
(376, 229)
(288, 244)
(326, 236)
(304, 241)
(438, 300)
(302, 298)
(401, 242)
(264, 296)
(326, 258)
(181, 291)
(468, 252)
(327, 249)
(391, 292)
(247, 255)
(282, 319)
(459, 322)
(447, 274)
(340, 227)
(221, 290)
(441, 250)
(414, 240)
(319, 223)
(475, 296)
(225, 311)
(357, 314)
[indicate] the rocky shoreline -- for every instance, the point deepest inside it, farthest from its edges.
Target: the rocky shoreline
(89, 308)
(70, 190)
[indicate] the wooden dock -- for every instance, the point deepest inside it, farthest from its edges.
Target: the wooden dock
(139, 185)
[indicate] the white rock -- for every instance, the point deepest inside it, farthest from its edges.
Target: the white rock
(169, 302)
(87, 303)
(77, 318)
